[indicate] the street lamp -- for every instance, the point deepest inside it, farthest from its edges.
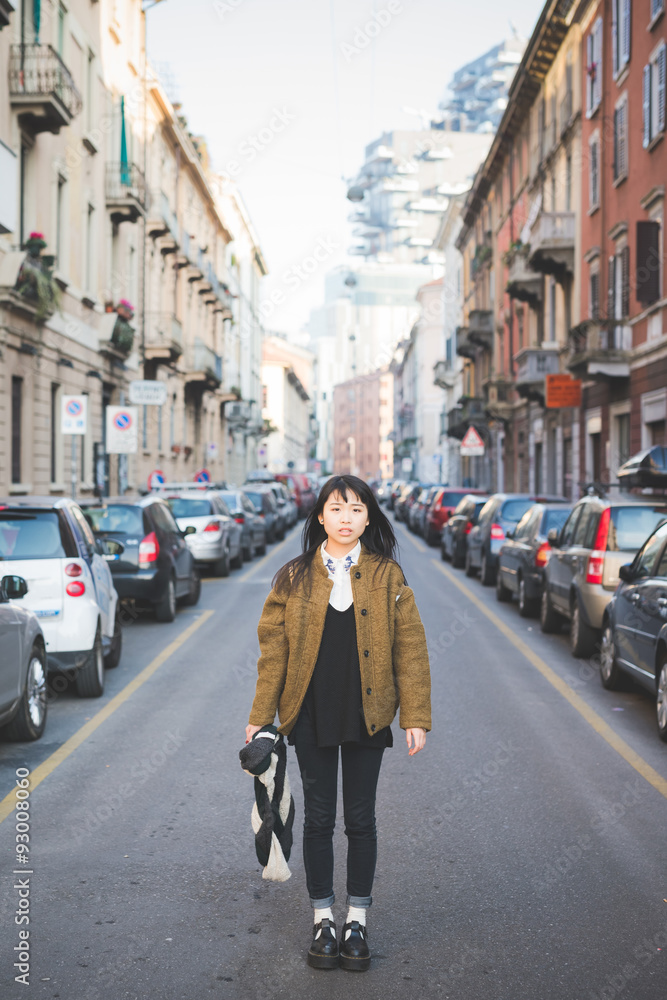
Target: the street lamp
(355, 193)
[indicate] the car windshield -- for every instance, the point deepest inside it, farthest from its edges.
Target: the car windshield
(120, 518)
(255, 499)
(231, 499)
(185, 507)
(631, 526)
(513, 510)
(31, 536)
(555, 519)
(450, 499)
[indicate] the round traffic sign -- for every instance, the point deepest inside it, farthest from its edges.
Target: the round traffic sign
(203, 476)
(156, 478)
(123, 420)
(74, 408)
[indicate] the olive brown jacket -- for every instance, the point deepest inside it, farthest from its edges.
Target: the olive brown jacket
(393, 656)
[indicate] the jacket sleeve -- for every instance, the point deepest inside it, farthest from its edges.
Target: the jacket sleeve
(272, 663)
(411, 665)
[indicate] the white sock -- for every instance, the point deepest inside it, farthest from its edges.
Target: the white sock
(319, 915)
(356, 913)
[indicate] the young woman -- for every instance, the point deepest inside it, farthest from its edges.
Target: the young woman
(342, 646)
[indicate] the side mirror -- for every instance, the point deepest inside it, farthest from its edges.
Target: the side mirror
(552, 538)
(509, 534)
(14, 587)
(190, 530)
(625, 573)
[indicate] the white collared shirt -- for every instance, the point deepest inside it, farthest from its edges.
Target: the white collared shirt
(339, 571)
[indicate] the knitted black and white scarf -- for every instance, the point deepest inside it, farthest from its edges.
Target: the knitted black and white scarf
(265, 758)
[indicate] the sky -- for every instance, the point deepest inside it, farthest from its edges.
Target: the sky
(288, 93)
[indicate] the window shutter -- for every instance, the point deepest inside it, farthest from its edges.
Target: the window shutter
(660, 69)
(646, 105)
(623, 139)
(611, 289)
(590, 83)
(615, 169)
(626, 31)
(647, 278)
(656, 7)
(594, 175)
(595, 296)
(597, 53)
(614, 35)
(625, 279)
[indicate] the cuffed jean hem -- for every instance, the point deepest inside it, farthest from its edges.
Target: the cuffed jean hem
(321, 904)
(363, 902)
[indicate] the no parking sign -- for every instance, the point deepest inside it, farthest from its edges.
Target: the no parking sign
(122, 428)
(73, 416)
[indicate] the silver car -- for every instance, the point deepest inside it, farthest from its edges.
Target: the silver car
(212, 534)
(22, 665)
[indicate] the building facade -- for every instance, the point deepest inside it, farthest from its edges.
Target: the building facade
(363, 420)
(287, 408)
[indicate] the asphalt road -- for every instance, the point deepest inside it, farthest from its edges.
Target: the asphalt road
(521, 854)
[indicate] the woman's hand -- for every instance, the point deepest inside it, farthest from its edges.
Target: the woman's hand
(250, 732)
(416, 739)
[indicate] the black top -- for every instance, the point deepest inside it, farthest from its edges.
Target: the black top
(333, 702)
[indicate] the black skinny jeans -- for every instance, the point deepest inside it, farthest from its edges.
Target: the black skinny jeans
(319, 776)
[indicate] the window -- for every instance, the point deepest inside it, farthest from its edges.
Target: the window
(594, 172)
(648, 262)
(586, 525)
(60, 220)
(594, 68)
(90, 249)
(654, 95)
(620, 34)
(568, 183)
(621, 139)
(17, 407)
(594, 295)
(621, 440)
(618, 290)
(657, 8)
(567, 533)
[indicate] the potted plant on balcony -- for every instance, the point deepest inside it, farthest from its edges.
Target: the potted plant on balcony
(35, 283)
(35, 244)
(125, 309)
(122, 337)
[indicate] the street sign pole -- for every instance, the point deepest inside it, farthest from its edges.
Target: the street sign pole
(73, 436)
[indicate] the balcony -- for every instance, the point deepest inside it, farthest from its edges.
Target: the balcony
(599, 351)
(6, 8)
(523, 283)
(465, 348)
(533, 365)
(552, 244)
(469, 411)
(480, 328)
(162, 224)
(116, 336)
(444, 374)
(203, 366)
(125, 190)
(41, 89)
(566, 112)
(27, 285)
(498, 392)
(163, 337)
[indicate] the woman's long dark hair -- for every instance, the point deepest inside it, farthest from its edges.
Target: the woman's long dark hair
(378, 536)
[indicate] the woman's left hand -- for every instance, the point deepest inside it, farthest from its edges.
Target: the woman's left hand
(416, 740)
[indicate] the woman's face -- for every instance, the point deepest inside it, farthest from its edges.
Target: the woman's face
(344, 520)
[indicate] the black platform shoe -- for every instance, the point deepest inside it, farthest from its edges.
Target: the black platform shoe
(355, 954)
(323, 952)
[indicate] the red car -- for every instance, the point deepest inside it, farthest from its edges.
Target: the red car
(442, 507)
(299, 486)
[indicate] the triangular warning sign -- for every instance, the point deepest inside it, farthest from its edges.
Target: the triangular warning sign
(472, 443)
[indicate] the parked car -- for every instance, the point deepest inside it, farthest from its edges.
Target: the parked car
(384, 491)
(599, 536)
(216, 543)
(634, 625)
(395, 489)
(442, 506)
(23, 704)
(417, 509)
(501, 512)
(263, 500)
(286, 504)
(404, 502)
(301, 488)
(70, 587)
(156, 568)
(252, 526)
(455, 531)
(524, 555)
(647, 468)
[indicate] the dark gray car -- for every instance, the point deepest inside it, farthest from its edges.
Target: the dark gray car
(253, 527)
(524, 555)
(22, 665)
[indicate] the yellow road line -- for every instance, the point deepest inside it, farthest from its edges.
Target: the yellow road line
(590, 715)
(69, 746)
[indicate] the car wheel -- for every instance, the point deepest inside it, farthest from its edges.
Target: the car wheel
(30, 720)
(221, 566)
(503, 594)
(112, 658)
(661, 702)
(550, 620)
(582, 637)
(527, 606)
(248, 553)
(237, 562)
(458, 560)
(165, 611)
(488, 575)
(611, 675)
(89, 680)
(470, 569)
(195, 589)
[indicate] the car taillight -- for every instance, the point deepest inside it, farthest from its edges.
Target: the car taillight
(542, 554)
(595, 567)
(76, 589)
(149, 549)
(240, 519)
(212, 526)
(468, 527)
(497, 532)
(73, 569)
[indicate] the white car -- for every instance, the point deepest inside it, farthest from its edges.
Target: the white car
(211, 533)
(51, 545)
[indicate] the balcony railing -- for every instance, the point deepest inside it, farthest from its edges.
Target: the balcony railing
(444, 374)
(552, 243)
(480, 328)
(125, 188)
(523, 283)
(533, 365)
(203, 365)
(164, 336)
(464, 345)
(162, 222)
(41, 88)
(470, 410)
(600, 350)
